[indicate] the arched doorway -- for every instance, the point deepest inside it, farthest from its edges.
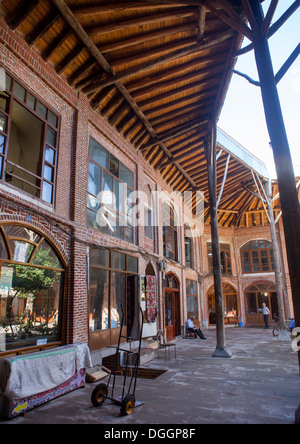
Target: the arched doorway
(32, 276)
(172, 306)
(255, 296)
(230, 304)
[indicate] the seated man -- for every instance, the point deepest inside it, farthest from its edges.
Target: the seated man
(191, 327)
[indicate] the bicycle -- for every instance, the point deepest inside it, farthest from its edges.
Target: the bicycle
(277, 328)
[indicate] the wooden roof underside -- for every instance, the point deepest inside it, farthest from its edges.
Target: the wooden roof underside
(158, 71)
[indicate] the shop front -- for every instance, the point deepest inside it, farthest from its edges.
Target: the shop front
(255, 296)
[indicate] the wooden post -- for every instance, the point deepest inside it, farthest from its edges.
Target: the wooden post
(283, 334)
(210, 153)
(282, 156)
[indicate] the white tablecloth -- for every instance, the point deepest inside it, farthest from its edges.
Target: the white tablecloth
(28, 375)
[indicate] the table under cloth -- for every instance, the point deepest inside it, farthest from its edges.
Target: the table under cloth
(28, 375)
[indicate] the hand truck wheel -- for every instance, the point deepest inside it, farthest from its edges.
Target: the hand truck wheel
(128, 405)
(99, 394)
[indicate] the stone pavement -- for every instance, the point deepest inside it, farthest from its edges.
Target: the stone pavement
(260, 384)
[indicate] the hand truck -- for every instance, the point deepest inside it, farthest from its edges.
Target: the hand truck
(130, 369)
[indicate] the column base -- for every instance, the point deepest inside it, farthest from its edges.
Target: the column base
(222, 352)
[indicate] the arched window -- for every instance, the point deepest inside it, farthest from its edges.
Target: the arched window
(257, 257)
(31, 288)
(188, 243)
(170, 232)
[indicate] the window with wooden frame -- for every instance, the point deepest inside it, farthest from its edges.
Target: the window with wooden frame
(28, 141)
(110, 188)
(257, 257)
(113, 295)
(170, 232)
(225, 258)
(192, 298)
(32, 277)
(188, 245)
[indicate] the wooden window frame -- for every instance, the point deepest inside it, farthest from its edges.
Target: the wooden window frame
(43, 144)
(258, 251)
(226, 263)
(62, 302)
(115, 179)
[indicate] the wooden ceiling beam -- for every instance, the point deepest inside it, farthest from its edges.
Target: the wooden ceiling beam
(169, 135)
(21, 14)
(196, 48)
(144, 38)
(206, 83)
(178, 70)
(91, 10)
(177, 102)
(148, 54)
(198, 75)
(66, 62)
(138, 21)
(57, 42)
(43, 27)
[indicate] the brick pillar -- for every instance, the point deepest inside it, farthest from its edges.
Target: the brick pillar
(79, 251)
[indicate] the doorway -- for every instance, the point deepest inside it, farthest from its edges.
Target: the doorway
(172, 307)
(230, 305)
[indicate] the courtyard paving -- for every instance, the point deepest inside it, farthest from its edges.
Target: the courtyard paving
(260, 384)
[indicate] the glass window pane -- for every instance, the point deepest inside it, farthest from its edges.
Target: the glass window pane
(129, 235)
(51, 136)
(100, 257)
(98, 153)
(107, 190)
(41, 110)
(94, 179)
(47, 194)
(31, 101)
(132, 264)
(48, 173)
(8, 82)
(21, 232)
(92, 219)
(49, 155)
(25, 148)
(52, 118)
(192, 306)
(19, 91)
(46, 257)
(20, 251)
(93, 203)
(98, 299)
(34, 310)
(3, 121)
(118, 298)
(4, 99)
(3, 249)
(126, 176)
(114, 166)
(2, 142)
(118, 261)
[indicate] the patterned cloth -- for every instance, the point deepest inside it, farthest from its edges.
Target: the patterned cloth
(151, 305)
